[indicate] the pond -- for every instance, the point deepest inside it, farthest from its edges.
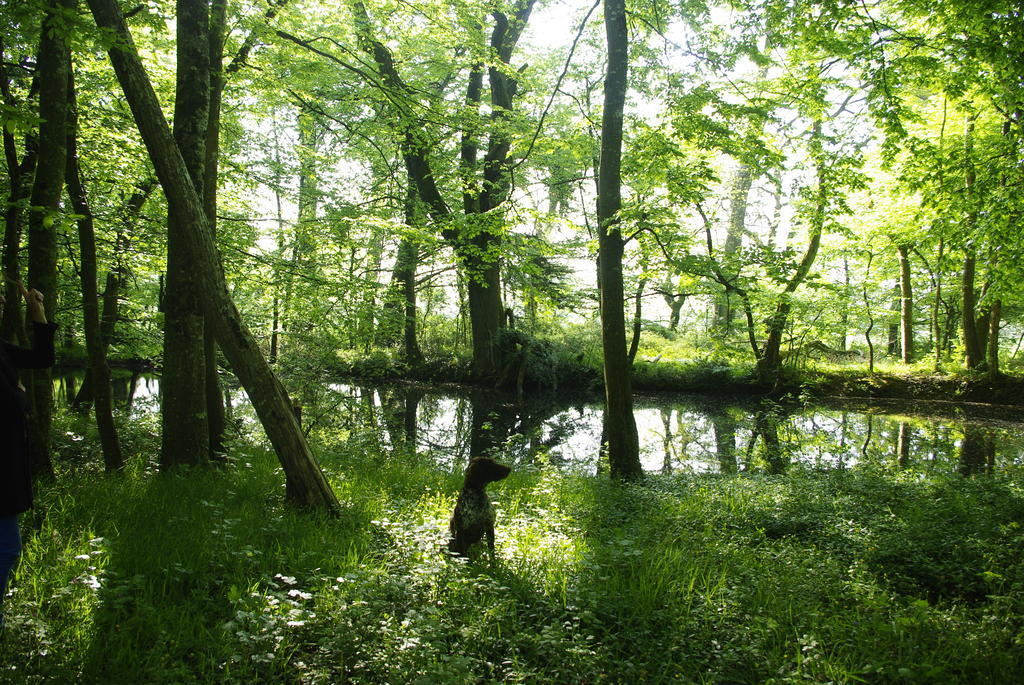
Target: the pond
(678, 433)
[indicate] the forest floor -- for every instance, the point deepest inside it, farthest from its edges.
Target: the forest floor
(868, 574)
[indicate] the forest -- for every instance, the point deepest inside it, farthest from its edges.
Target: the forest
(734, 288)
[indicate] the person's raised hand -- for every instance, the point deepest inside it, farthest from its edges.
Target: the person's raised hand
(33, 303)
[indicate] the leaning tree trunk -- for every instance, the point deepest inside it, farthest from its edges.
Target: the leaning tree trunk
(619, 427)
(53, 67)
(306, 483)
(101, 393)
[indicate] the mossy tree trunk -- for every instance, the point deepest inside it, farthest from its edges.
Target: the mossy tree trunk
(53, 68)
(186, 438)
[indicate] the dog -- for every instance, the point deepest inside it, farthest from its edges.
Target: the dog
(474, 513)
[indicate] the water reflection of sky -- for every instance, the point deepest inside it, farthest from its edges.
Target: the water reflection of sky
(677, 434)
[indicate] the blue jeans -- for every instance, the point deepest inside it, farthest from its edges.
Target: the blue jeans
(10, 547)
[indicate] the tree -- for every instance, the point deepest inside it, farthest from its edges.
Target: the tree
(54, 65)
(738, 200)
(476, 235)
(906, 306)
(98, 370)
(306, 484)
(186, 437)
(619, 425)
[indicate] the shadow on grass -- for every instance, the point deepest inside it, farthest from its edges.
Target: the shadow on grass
(181, 549)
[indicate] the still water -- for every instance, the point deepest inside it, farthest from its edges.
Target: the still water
(689, 433)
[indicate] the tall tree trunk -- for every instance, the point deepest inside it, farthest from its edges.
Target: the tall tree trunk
(53, 67)
(281, 294)
(981, 320)
(102, 394)
(973, 349)
(871, 318)
(274, 326)
(399, 321)
(186, 438)
(215, 421)
(619, 426)
(844, 313)
(906, 306)
(724, 311)
(11, 324)
(306, 483)
(486, 317)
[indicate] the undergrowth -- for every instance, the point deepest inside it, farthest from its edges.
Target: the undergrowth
(205, 575)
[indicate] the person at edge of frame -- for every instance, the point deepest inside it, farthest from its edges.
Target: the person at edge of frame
(15, 471)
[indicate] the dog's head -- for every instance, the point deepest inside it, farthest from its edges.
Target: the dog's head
(484, 470)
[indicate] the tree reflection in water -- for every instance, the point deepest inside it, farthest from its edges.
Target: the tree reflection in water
(687, 434)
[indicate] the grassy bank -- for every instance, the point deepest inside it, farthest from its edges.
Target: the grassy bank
(557, 369)
(205, 576)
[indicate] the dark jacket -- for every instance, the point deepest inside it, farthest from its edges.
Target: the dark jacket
(15, 473)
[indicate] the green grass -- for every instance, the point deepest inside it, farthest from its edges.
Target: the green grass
(206, 576)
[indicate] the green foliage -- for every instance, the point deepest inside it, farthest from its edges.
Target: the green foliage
(205, 575)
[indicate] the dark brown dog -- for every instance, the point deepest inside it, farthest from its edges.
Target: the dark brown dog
(474, 513)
